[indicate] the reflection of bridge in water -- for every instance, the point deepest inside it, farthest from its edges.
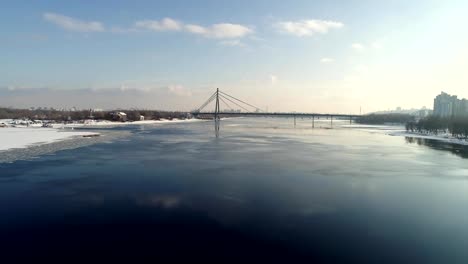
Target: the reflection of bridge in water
(247, 109)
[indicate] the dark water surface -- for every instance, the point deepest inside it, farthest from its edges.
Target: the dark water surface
(263, 191)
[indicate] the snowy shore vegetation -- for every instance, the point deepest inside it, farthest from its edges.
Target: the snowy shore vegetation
(69, 115)
(376, 119)
(456, 126)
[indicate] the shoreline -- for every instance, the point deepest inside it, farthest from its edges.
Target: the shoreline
(23, 137)
(20, 138)
(94, 123)
(399, 131)
(440, 137)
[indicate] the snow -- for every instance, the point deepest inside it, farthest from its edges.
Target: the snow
(440, 137)
(379, 127)
(13, 137)
(94, 123)
(394, 130)
(22, 136)
(6, 121)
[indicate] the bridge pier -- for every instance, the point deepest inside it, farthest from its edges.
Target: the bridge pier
(294, 120)
(313, 121)
(217, 122)
(331, 121)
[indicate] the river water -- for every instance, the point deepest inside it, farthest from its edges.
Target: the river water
(264, 190)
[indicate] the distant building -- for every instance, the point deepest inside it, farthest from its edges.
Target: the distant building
(119, 116)
(122, 116)
(462, 108)
(419, 113)
(446, 105)
(424, 113)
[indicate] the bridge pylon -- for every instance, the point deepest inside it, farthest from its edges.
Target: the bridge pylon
(217, 118)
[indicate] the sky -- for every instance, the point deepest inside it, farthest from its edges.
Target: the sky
(303, 56)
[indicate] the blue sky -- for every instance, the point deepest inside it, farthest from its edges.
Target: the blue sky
(285, 55)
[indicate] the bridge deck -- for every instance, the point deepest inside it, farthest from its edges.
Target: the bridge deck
(275, 114)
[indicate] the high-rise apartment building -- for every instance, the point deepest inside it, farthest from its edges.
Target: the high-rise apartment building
(446, 105)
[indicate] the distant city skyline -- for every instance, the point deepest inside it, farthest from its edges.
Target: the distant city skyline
(305, 56)
(446, 105)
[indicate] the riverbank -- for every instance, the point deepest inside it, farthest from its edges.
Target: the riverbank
(86, 123)
(105, 123)
(18, 135)
(400, 131)
(440, 137)
(13, 137)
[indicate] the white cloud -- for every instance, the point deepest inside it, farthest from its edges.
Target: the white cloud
(73, 24)
(220, 31)
(217, 31)
(358, 46)
(129, 87)
(230, 34)
(196, 29)
(273, 79)
(166, 24)
(179, 90)
(303, 28)
(227, 30)
(327, 60)
(232, 43)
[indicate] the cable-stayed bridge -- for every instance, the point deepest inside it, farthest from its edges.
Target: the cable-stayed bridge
(220, 99)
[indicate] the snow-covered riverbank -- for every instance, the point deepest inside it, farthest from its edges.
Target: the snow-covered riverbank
(12, 137)
(88, 123)
(25, 135)
(400, 131)
(105, 123)
(440, 137)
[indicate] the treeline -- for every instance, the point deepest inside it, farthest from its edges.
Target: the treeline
(58, 115)
(457, 126)
(385, 118)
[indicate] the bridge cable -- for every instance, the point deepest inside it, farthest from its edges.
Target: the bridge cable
(240, 101)
(207, 102)
(225, 103)
(204, 105)
(234, 103)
